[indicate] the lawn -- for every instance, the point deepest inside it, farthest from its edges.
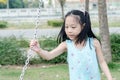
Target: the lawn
(45, 72)
(31, 25)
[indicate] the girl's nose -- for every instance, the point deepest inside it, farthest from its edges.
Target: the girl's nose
(69, 30)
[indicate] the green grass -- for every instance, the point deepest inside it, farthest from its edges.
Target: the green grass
(31, 25)
(47, 72)
(20, 25)
(26, 25)
(53, 72)
(115, 23)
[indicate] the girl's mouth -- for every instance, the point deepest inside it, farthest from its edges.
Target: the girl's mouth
(71, 36)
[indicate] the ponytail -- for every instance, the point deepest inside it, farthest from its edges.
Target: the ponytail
(84, 21)
(88, 25)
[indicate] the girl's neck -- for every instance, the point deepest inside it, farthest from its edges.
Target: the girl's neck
(80, 45)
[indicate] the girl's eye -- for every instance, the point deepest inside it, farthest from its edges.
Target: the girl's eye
(66, 26)
(73, 27)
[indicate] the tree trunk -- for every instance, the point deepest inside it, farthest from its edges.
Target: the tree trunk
(104, 30)
(87, 5)
(62, 12)
(62, 2)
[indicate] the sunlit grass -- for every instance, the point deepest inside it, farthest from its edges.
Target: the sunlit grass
(54, 72)
(26, 25)
(115, 23)
(31, 25)
(46, 72)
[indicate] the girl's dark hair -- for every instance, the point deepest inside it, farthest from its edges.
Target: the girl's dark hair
(84, 20)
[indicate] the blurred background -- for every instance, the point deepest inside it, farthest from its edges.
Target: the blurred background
(18, 19)
(16, 11)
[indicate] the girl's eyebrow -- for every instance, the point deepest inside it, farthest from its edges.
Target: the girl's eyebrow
(71, 24)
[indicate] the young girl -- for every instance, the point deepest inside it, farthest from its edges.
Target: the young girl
(84, 49)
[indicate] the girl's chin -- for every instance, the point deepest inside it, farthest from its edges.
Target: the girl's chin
(72, 39)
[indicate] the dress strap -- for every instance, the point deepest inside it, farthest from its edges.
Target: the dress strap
(91, 42)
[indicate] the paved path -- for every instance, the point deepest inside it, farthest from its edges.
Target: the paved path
(29, 33)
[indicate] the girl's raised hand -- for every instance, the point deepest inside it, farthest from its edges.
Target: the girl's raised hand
(34, 45)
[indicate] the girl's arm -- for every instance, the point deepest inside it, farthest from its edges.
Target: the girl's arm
(101, 60)
(34, 45)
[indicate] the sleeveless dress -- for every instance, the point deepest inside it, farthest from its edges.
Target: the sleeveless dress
(82, 63)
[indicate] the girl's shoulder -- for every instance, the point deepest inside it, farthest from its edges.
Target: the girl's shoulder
(96, 43)
(63, 44)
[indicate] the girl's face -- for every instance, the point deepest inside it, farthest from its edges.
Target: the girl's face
(72, 27)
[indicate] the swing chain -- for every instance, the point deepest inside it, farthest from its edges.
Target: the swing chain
(37, 20)
(26, 63)
(30, 52)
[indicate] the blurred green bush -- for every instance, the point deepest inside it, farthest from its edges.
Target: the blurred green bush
(11, 53)
(3, 24)
(115, 47)
(55, 23)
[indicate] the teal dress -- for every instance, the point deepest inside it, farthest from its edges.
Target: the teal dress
(82, 63)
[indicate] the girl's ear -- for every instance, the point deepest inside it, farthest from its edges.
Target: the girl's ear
(84, 25)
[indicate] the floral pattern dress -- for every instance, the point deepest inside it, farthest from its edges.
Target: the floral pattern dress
(82, 63)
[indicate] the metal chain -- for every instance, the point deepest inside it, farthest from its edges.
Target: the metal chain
(37, 20)
(26, 63)
(30, 52)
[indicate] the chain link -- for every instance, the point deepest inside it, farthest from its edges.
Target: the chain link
(29, 55)
(30, 52)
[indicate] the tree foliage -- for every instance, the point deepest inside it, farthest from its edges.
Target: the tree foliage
(16, 4)
(3, 3)
(31, 4)
(19, 4)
